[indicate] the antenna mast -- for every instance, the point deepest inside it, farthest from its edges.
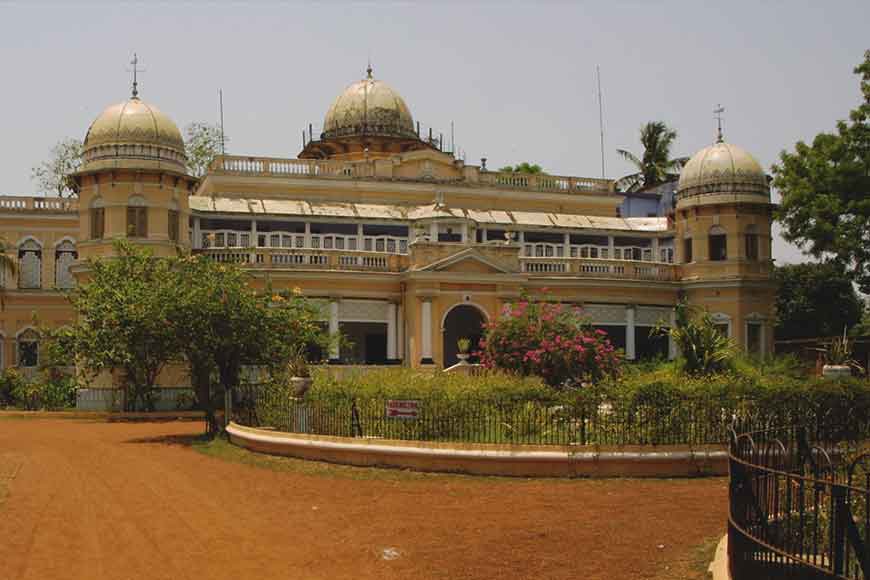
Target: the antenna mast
(221, 100)
(600, 118)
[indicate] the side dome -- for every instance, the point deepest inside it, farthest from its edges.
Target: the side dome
(722, 168)
(134, 135)
(369, 107)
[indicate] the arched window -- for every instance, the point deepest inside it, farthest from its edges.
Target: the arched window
(750, 238)
(137, 217)
(64, 256)
(718, 243)
(722, 323)
(29, 264)
(173, 221)
(28, 349)
(98, 219)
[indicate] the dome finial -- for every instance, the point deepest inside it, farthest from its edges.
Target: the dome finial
(717, 113)
(135, 70)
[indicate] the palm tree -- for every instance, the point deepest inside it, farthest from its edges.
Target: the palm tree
(8, 265)
(656, 167)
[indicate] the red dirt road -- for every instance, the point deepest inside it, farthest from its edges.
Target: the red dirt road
(100, 501)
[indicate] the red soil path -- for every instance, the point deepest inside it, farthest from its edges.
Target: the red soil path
(100, 501)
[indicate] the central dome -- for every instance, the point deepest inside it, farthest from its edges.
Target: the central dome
(722, 168)
(369, 107)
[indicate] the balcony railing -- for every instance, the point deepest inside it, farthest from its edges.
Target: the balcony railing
(632, 253)
(236, 239)
(472, 176)
(45, 204)
(309, 259)
(600, 268)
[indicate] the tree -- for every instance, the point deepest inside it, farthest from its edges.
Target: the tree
(814, 300)
(524, 167)
(656, 166)
(122, 322)
(202, 143)
(825, 189)
(54, 174)
(549, 340)
(222, 325)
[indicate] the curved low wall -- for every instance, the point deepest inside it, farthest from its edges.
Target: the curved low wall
(510, 460)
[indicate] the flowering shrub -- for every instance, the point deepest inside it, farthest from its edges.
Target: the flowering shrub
(551, 340)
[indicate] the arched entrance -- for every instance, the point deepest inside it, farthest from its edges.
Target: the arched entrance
(462, 321)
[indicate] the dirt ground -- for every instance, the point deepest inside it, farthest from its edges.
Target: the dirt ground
(99, 501)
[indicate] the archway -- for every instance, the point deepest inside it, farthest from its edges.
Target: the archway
(462, 321)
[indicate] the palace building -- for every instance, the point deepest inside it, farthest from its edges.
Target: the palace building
(408, 247)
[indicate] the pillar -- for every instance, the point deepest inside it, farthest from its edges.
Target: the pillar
(672, 346)
(426, 332)
(359, 238)
(253, 241)
(307, 235)
(463, 228)
(611, 248)
(400, 332)
(433, 232)
(566, 252)
(196, 242)
(391, 333)
(655, 249)
(629, 332)
(334, 348)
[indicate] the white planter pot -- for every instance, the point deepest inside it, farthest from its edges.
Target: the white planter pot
(463, 358)
(836, 371)
(301, 385)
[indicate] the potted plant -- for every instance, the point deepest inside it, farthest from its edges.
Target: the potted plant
(464, 345)
(838, 358)
(300, 375)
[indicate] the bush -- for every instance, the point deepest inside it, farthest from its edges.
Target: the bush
(549, 340)
(704, 350)
(11, 383)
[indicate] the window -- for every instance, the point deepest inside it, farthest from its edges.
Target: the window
(64, 256)
(754, 342)
(718, 244)
(98, 219)
(173, 225)
(751, 240)
(687, 250)
(30, 265)
(137, 218)
(28, 349)
(722, 322)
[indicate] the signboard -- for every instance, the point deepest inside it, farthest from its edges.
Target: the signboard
(403, 409)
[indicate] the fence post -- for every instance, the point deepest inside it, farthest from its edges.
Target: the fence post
(228, 407)
(841, 513)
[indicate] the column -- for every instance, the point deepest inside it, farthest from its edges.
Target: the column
(433, 232)
(611, 247)
(483, 237)
(629, 332)
(400, 332)
(672, 346)
(566, 252)
(426, 332)
(464, 232)
(196, 242)
(655, 250)
(391, 333)
(359, 237)
(307, 235)
(253, 241)
(334, 349)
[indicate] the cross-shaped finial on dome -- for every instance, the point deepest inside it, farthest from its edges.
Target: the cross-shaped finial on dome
(369, 71)
(717, 113)
(135, 70)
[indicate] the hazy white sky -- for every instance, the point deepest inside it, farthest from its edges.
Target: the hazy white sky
(517, 79)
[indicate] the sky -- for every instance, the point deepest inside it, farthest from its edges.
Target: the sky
(517, 80)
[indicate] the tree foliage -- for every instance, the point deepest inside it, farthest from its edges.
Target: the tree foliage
(524, 167)
(655, 166)
(549, 340)
(202, 143)
(814, 300)
(825, 189)
(137, 313)
(53, 174)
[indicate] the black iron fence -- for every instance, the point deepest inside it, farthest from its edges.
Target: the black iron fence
(799, 501)
(690, 421)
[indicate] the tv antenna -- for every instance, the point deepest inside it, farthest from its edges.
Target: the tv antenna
(221, 104)
(600, 118)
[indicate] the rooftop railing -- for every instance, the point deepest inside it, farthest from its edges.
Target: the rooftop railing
(471, 176)
(44, 204)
